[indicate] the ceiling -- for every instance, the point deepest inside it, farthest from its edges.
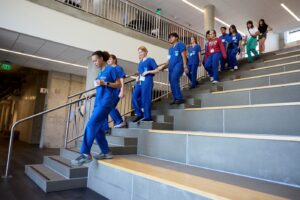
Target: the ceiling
(236, 12)
(39, 47)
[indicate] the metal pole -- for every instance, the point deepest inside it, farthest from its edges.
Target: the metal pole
(68, 124)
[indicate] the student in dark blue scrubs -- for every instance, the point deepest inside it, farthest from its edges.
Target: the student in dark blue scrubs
(194, 60)
(115, 114)
(226, 39)
(234, 47)
(106, 99)
(142, 93)
(177, 65)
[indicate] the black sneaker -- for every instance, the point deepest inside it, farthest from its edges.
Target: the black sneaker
(147, 120)
(82, 159)
(178, 102)
(137, 118)
(172, 103)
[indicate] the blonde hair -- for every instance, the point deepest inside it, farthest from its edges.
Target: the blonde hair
(143, 48)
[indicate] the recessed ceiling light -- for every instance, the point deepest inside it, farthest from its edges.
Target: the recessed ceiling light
(203, 11)
(291, 12)
(42, 58)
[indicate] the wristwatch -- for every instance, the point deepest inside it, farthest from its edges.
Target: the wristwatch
(107, 83)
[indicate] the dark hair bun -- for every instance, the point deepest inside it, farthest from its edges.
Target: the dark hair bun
(102, 54)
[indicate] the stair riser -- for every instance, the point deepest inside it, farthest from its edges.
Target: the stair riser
(263, 81)
(262, 96)
(115, 150)
(275, 62)
(104, 180)
(285, 68)
(264, 159)
(162, 126)
(65, 170)
(282, 120)
(119, 141)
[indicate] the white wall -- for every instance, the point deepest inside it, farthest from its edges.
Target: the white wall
(272, 42)
(29, 18)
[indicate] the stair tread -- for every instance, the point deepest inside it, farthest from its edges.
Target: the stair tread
(207, 183)
(65, 162)
(47, 173)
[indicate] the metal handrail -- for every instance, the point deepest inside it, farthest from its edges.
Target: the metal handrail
(25, 119)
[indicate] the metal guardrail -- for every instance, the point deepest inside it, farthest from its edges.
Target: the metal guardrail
(135, 17)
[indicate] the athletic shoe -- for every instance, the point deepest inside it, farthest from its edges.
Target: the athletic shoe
(215, 82)
(236, 67)
(172, 103)
(121, 125)
(102, 156)
(178, 102)
(82, 159)
(137, 118)
(211, 79)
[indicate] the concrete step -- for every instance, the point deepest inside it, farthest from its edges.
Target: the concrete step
(269, 69)
(148, 178)
(64, 167)
(121, 141)
(157, 118)
(249, 96)
(263, 80)
(281, 60)
(273, 118)
(270, 157)
(150, 125)
(50, 181)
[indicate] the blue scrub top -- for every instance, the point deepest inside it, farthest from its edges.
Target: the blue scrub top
(147, 65)
(175, 56)
(120, 71)
(236, 39)
(106, 94)
(193, 55)
(226, 39)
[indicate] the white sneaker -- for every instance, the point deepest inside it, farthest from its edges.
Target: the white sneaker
(211, 79)
(215, 82)
(236, 67)
(122, 125)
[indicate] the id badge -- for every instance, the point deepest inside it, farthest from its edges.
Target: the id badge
(223, 40)
(142, 78)
(234, 38)
(95, 83)
(212, 51)
(169, 57)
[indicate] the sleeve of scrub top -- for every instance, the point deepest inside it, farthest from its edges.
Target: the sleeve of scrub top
(121, 72)
(153, 64)
(182, 47)
(114, 74)
(222, 48)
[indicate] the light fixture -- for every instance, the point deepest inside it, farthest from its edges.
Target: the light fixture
(291, 12)
(42, 58)
(203, 11)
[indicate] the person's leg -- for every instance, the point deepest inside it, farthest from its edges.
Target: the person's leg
(137, 101)
(263, 42)
(174, 79)
(208, 66)
(194, 75)
(189, 75)
(215, 65)
(222, 62)
(147, 88)
(116, 116)
(248, 49)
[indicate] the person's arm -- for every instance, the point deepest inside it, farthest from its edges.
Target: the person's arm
(222, 48)
(116, 84)
(199, 54)
(163, 66)
(121, 94)
(90, 96)
(184, 59)
(154, 67)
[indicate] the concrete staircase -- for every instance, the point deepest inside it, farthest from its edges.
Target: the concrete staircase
(239, 139)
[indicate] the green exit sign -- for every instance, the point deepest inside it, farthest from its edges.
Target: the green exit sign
(6, 66)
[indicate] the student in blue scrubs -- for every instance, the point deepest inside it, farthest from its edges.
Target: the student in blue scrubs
(106, 98)
(114, 114)
(234, 47)
(194, 59)
(177, 65)
(226, 39)
(142, 92)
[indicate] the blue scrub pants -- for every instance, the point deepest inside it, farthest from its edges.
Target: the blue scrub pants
(223, 62)
(142, 98)
(115, 116)
(95, 129)
(212, 65)
(193, 74)
(175, 72)
(232, 57)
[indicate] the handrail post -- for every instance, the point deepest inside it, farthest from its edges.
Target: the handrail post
(68, 124)
(9, 152)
